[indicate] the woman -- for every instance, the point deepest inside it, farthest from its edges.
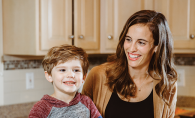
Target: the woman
(139, 81)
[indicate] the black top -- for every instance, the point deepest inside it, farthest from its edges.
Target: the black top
(117, 108)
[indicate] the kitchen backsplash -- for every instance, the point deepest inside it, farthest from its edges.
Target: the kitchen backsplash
(93, 60)
(32, 64)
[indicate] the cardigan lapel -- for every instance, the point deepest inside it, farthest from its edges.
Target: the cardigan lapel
(106, 100)
(158, 103)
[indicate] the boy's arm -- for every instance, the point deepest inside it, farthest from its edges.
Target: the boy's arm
(94, 113)
(39, 110)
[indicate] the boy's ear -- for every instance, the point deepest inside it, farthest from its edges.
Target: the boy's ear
(48, 77)
(84, 77)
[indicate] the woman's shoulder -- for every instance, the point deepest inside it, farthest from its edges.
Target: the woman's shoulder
(98, 73)
(99, 69)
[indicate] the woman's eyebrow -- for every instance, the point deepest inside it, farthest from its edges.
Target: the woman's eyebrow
(127, 36)
(142, 40)
(138, 39)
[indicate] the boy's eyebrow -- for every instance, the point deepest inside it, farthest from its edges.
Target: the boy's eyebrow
(65, 66)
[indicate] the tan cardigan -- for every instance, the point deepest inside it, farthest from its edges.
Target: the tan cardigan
(95, 88)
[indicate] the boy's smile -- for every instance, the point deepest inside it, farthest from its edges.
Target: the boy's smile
(67, 78)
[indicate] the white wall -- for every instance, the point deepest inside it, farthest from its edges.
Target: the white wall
(189, 88)
(1, 53)
(15, 86)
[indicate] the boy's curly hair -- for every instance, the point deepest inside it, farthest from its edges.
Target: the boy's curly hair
(60, 54)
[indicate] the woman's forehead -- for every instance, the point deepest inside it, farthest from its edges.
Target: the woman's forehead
(140, 31)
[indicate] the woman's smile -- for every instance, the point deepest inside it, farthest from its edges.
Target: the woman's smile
(133, 57)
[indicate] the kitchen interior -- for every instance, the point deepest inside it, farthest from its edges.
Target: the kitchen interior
(28, 28)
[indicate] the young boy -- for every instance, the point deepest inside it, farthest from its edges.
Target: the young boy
(65, 67)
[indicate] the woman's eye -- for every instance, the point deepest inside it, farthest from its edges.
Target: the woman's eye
(128, 39)
(62, 70)
(142, 43)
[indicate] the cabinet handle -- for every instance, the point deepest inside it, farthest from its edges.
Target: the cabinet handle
(192, 36)
(81, 36)
(71, 37)
(109, 37)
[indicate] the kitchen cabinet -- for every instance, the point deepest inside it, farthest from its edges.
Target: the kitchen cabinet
(114, 14)
(180, 15)
(31, 27)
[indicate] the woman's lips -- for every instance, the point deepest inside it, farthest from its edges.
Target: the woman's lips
(133, 57)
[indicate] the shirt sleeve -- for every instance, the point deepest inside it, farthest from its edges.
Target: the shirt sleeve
(39, 110)
(94, 113)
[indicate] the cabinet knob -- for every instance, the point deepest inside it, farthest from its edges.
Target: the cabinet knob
(71, 37)
(192, 36)
(109, 37)
(81, 36)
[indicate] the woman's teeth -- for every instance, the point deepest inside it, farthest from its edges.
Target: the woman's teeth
(134, 56)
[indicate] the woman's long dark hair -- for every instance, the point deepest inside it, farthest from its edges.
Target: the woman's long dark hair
(161, 62)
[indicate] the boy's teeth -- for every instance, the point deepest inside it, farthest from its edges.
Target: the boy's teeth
(69, 82)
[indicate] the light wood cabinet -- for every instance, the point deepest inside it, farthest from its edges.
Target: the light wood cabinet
(180, 15)
(114, 14)
(55, 23)
(87, 25)
(21, 27)
(31, 27)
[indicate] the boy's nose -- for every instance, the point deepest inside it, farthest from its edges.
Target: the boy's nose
(70, 74)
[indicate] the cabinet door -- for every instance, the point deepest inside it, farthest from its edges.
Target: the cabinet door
(114, 14)
(87, 24)
(55, 23)
(181, 16)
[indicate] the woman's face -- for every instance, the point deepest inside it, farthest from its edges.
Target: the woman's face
(139, 46)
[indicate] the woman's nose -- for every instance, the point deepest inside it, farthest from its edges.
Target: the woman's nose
(133, 47)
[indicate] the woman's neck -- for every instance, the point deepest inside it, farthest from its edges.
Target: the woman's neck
(140, 73)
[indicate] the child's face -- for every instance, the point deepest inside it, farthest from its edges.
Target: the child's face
(67, 77)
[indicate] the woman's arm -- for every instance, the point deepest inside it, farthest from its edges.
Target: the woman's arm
(88, 85)
(174, 101)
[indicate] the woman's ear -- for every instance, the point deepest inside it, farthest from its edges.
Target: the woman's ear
(48, 77)
(155, 49)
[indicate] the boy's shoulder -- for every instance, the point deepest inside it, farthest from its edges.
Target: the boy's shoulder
(90, 105)
(41, 108)
(85, 98)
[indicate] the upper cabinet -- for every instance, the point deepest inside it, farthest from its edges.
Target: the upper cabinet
(180, 15)
(55, 21)
(31, 27)
(58, 26)
(114, 14)
(87, 25)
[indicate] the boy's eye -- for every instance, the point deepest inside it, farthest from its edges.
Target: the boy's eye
(76, 70)
(62, 70)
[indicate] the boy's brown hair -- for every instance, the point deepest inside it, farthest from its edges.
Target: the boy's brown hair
(63, 53)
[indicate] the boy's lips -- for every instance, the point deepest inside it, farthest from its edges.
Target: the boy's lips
(69, 83)
(133, 57)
